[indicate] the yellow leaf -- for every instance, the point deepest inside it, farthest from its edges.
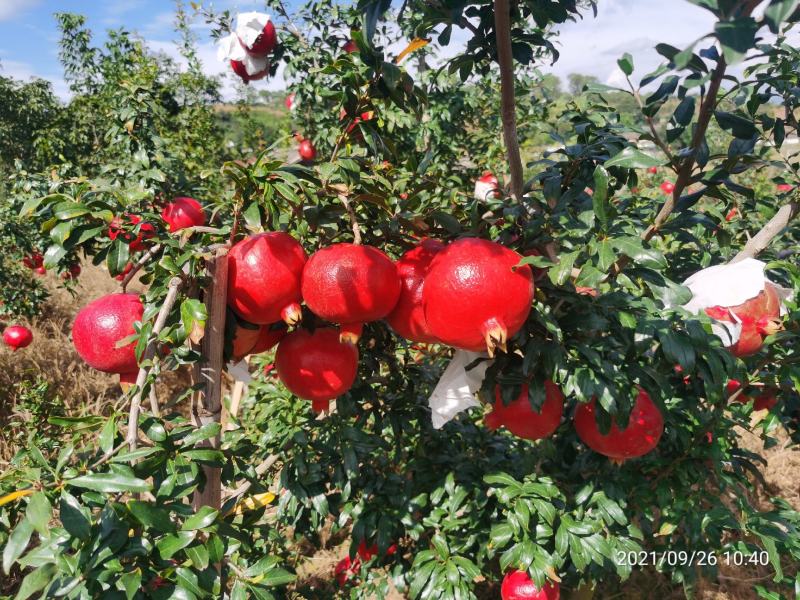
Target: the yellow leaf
(15, 496)
(252, 503)
(415, 44)
(666, 528)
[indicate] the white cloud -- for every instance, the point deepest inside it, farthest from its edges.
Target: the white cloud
(24, 72)
(11, 9)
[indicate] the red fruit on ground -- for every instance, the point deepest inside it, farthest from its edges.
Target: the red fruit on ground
(72, 272)
(350, 46)
(264, 275)
(640, 436)
(408, 317)
(182, 213)
(316, 366)
(265, 43)
(517, 585)
(268, 337)
(350, 284)
(306, 150)
(667, 187)
(100, 325)
(346, 569)
(40, 271)
(17, 336)
(758, 316)
(33, 261)
(652, 170)
(475, 296)
(520, 418)
(119, 228)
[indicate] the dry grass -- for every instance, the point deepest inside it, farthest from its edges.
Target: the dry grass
(81, 390)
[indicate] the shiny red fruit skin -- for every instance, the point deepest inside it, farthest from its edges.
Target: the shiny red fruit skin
(640, 436)
(521, 420)
(268, 337)
(264, 275)
(472, 289)
(40, 271)
(667, 187)
(33, 261)
(766, 400)
(182, 213)
(408, 317)
(306, 150)
(517, 585)
(766, 305)
(652, 170)
(350, 283)
(265, 43)
(100, 325)
(350, 46)
(316, 366)
(17, 336)
(72, 272)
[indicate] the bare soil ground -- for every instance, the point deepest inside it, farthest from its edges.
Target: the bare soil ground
(82, 390)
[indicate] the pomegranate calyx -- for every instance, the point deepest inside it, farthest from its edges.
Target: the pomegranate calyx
(320, 406)
(350, 333)
(292, 314)
(496, 336)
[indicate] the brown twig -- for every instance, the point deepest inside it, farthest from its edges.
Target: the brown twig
(505, 59)
(261, 468)
(353, 220)
(772, 229)
(149, 353)
(651, 124)
(145, 258)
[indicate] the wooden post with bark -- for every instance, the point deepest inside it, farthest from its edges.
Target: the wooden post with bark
(207, 406)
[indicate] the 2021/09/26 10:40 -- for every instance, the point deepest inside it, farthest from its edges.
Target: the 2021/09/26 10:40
(694, 557)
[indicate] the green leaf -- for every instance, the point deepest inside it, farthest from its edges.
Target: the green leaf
(152, 516)
(633, 158)
(736, 37)
(118, 257)
(16, 544)
(60, 232)
(36, 581)
(106, 441)
(600, 195)
(208, 430)
(39, 513)
(188, 581)
(202, 519)
(778, 11)
(74, 517)
(131, 582)
(110, 483)
(626, 64)
(172, 543)
(739, 126)
(276, 577)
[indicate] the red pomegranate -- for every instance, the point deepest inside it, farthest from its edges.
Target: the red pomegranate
(244, 339)
(268, 337)
(348, 568)
(72, 272)
(350, 284)
(350, 46)
(475, 297)
(640, 436)
(265, 42)
(100, 325)
(119, 227)
(34, 261)
(316, 366)
(289, 101)
(486, 186)
(182, 213)
(408, 319)
(759, 317)
(306, 150)
(766, 400)
(40, 271)
(652, 170)
(241, 70)
(264, 275)
(667, 187)
(517, 585)
(732, 214)
(17, 336)
(784, 187)
(521, 420)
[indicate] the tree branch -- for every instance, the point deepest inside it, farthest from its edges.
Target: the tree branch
(149, 352)
(139, 264)
(772, 229)
(505, 59)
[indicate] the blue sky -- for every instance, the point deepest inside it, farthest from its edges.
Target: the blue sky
(28, 35)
